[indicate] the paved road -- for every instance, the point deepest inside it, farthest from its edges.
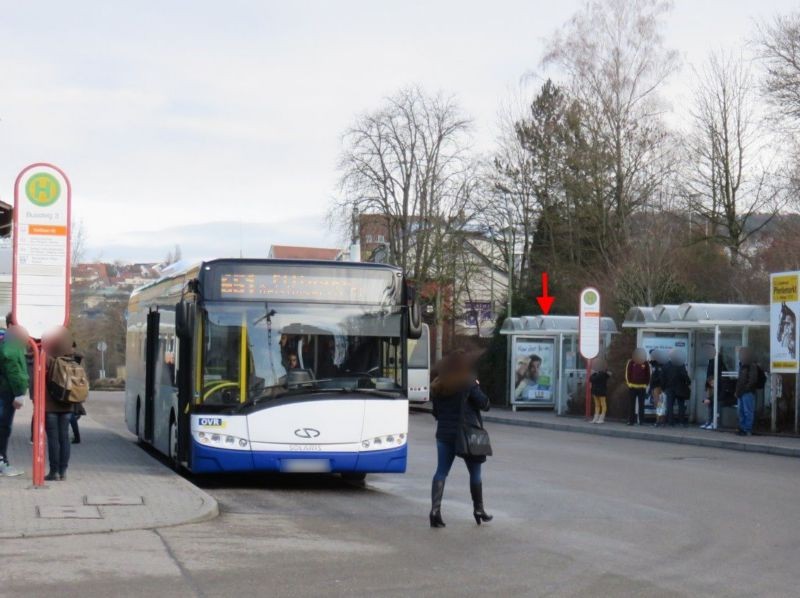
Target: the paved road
(576, 515)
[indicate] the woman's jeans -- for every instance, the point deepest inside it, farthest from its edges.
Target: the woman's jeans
(57, 426)
(447, 454)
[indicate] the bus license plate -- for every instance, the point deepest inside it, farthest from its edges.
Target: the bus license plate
(306, 465)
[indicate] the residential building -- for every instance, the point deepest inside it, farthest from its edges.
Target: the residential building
(290, 252)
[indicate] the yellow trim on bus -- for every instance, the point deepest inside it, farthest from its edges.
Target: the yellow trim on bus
(198, 381)
(243, 362)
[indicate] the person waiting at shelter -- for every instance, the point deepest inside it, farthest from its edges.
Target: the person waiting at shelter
(678, 386)
(746, 387)
(712, 382)
(599, 382)
(658, 363)
(13, 389)
(637, 379)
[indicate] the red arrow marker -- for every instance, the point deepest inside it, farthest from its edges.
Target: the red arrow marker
(545, 300)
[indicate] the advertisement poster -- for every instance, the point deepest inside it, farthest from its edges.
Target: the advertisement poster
(666, 344)
(784, 307)
(534, 370)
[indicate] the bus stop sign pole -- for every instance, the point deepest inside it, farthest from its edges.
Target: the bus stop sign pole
(589, 334)
(40, 289)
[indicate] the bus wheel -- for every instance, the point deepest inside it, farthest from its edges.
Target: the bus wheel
(355, 478)
(174, 462)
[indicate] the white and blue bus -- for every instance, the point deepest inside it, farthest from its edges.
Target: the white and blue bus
(273, 365)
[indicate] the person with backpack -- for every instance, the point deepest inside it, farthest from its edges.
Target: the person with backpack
(66, 383)
(746, 387)
(13, 389)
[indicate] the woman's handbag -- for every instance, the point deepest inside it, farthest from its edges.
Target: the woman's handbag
(472, 440)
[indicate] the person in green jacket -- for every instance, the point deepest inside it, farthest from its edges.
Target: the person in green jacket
(13, 389)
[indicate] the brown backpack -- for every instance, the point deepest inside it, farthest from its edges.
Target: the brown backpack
(67, 381)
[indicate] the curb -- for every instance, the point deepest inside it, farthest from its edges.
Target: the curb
(208, 510)
(211, 512)
(732, 445)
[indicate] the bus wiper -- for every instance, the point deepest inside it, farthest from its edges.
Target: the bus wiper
(267, 316)
(374, 391)
(271, 392)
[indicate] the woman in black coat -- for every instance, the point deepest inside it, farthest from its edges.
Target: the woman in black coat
(455, 388)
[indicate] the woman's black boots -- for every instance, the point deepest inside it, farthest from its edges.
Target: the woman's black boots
(437, 492)
(477, 504)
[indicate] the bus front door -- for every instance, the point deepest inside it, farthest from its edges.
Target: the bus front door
(151, 359)
(184, 382)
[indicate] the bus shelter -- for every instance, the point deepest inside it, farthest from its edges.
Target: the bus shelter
(697, 327)
(546, 369)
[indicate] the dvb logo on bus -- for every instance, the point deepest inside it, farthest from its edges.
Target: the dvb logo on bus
(211, 422)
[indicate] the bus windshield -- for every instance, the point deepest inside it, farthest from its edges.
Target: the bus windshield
(256, 351)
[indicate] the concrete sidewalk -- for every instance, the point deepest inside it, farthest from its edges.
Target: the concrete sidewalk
(693, 435)
(106, 472)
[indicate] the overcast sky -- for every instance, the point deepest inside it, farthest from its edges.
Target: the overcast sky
(167, 114)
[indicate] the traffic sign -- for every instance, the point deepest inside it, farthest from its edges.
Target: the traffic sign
(102, 346)
(589, 323)
(41, 281)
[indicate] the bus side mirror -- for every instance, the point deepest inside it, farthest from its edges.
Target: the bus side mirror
(184, 319)
(414, 314)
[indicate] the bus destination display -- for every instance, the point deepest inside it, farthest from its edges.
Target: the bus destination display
(346, 287)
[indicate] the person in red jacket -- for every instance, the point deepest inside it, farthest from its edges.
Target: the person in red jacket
(637, 378)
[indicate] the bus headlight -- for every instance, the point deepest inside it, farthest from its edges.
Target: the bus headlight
(384, 442)
(221, 440)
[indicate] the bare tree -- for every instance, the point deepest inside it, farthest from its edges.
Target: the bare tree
(726, 181)
(408, 162)
(77, 243)
(779, 47)
(405, 162)
(507, 209)
(614, 56)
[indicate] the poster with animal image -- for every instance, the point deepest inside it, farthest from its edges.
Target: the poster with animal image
(784, 309)
(534, 370)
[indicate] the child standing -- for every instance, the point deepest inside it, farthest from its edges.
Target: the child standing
(599, 382)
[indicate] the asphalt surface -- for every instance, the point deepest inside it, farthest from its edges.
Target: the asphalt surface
(575, 515)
